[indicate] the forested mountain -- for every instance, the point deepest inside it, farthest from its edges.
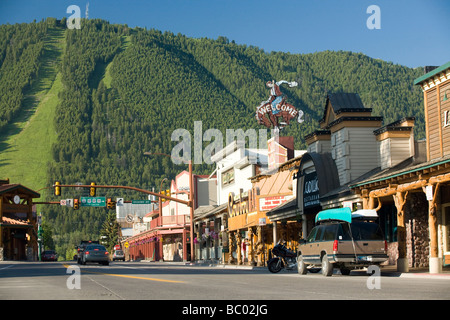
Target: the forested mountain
(123, 92)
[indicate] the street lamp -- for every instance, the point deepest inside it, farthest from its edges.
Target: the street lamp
(191, 200)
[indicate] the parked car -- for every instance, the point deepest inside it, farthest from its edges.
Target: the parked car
(343, 240)
(118, 255)
(49, 255)
(95, 253)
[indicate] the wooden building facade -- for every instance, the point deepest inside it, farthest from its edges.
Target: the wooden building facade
(420, 192)
(18, 227)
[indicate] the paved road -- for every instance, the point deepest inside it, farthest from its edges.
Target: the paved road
(161, 281)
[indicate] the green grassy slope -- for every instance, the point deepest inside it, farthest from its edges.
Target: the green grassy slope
(26, 146)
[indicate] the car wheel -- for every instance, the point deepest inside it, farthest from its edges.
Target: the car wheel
(301, 266)
(327, 267)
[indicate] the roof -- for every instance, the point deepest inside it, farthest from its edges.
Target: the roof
(209, 211)
(349, 101)
(14, 222)
(284, 210)
(405, 167)
(4, 188)
(432, 73)
(344, 102)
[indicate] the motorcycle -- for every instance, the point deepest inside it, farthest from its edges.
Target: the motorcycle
(284, 258)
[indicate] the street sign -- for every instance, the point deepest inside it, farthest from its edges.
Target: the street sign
(119, 202)
(126, 245)
(66, 202)
(141, 201)
(93, 202)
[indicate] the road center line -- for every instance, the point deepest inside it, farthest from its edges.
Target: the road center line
(127, 276)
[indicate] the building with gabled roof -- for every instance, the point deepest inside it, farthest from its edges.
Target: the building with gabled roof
(18, 225)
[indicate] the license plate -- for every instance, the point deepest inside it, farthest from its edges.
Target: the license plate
(365, 258)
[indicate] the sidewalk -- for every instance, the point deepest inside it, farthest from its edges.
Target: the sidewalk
(386, 271)
(416, 273)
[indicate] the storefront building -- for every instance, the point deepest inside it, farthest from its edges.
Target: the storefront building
(343, 150)
(415, 195)
(278, 194)
(18, 227)
(167, 234)
(251, 232)
(222, 231)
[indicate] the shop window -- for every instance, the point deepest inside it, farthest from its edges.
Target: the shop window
(388, 222)
(447, 228)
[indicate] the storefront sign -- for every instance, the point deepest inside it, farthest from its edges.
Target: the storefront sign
(245, 203)
(269, 203)
(446, 119)
(311, 190)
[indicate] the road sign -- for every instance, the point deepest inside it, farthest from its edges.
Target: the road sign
(93, 202)
(66, 202)
(126, 245)
(141, 201)
(119, 202)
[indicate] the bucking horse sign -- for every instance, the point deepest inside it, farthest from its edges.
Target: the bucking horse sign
(270, 111)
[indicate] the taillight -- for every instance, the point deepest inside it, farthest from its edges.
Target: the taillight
(335, 245)
(87, 252)
(106, 252)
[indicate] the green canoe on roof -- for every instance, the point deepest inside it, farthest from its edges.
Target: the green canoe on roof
(342, 214)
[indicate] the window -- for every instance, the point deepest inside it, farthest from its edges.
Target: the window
(388, 221)
(360, 231)
(312, 235)
(319, 233)
(329, 232)
(228, 177)
(446, 228)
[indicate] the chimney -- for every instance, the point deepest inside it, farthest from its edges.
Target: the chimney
(280, 150)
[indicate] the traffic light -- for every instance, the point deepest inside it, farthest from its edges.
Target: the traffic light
(76, 204)
(111, 205)
(168, 193)
(163, 193)
(92, 190)
(57, 189)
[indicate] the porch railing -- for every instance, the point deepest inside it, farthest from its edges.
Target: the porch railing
(169, 221)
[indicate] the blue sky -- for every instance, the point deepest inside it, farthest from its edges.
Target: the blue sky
(413, 32)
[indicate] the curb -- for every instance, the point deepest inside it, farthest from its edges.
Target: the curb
(384, 273)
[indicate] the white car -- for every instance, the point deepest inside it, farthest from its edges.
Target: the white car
(118, 255)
